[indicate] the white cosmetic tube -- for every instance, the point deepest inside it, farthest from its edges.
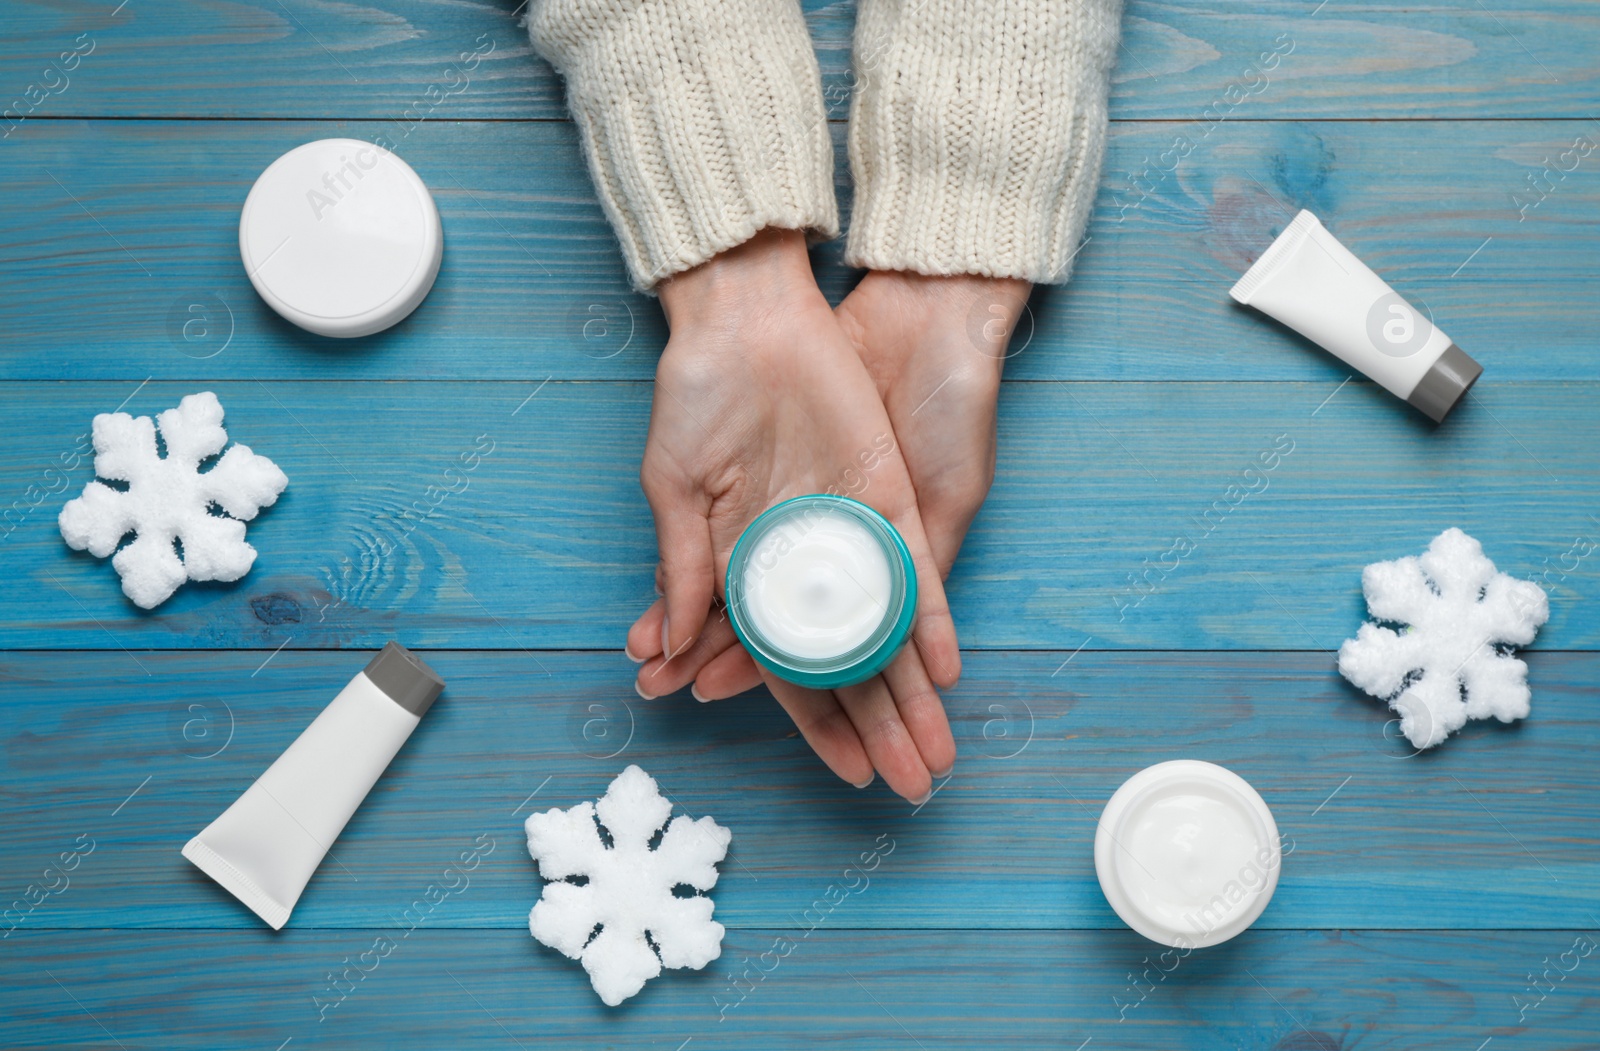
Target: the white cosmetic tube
(1315, 285)
(264, 848)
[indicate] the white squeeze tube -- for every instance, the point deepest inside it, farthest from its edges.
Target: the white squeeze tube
(1315, 285)
(264, 848)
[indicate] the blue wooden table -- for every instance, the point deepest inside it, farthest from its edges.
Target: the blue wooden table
(1428, 901)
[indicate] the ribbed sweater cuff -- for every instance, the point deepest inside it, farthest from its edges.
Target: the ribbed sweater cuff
(702, 122)
(977, 133)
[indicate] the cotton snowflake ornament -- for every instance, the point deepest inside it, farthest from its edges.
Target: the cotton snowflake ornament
(169, 499)
(612, 904)
(1451, 663)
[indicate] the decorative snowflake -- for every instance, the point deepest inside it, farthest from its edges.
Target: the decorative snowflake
(169, 499)
(1453, 662)
(613, 902)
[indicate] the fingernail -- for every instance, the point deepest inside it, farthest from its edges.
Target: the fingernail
(666, 636)
(640, 691)
(659, 592)
(946, 773)
(870, 778)
(923, 798)
(694, 691)
(626, 652)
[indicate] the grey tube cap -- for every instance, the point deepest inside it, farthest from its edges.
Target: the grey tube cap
(1445, 384)
(401, 674)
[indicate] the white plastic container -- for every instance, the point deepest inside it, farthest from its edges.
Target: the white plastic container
(1311, 282)
(341, 237)
(1187, 853)
(265, 847)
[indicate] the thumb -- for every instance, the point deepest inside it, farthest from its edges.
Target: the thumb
(687, 570)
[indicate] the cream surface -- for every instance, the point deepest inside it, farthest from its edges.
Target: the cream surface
(1192, 855)
(817, 587)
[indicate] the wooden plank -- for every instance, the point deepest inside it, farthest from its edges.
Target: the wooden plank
(1496, 829)
(539, 536)
(261, 58)
(903, 989)
(121, 232)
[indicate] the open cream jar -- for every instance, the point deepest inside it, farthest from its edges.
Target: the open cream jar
(1187, 853)
(821, 590)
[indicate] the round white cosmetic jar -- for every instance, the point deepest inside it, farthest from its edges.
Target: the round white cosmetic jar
(1187, 853)
(341, 237)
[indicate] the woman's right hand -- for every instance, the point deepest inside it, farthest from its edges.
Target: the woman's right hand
(760, 397)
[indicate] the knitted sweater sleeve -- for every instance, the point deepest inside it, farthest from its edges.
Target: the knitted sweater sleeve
(702, 121)
(977, 132)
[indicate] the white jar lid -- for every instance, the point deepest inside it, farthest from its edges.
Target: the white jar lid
(1187, 853)
(341, 237)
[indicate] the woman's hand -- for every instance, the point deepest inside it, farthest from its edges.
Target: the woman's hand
(761, 397)
(935, 347)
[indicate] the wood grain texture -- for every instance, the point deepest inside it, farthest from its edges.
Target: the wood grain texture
(1289, 991)
(1496, 829)
(547, 541)
(387, 60)
(118, 229)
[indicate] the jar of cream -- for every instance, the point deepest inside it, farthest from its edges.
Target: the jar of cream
(821, 590)
(341, 237)
(1187, 853)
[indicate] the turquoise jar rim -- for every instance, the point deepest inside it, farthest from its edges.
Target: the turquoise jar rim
(859, 664)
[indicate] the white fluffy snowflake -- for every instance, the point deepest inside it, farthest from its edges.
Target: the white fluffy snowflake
(625, 922)
(1449, 664)
(169, 499)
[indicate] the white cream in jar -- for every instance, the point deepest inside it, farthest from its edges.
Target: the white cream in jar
(1187, 853)
(818, 590)
(821, 591)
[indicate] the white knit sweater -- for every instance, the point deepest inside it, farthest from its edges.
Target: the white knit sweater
(976, 130)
